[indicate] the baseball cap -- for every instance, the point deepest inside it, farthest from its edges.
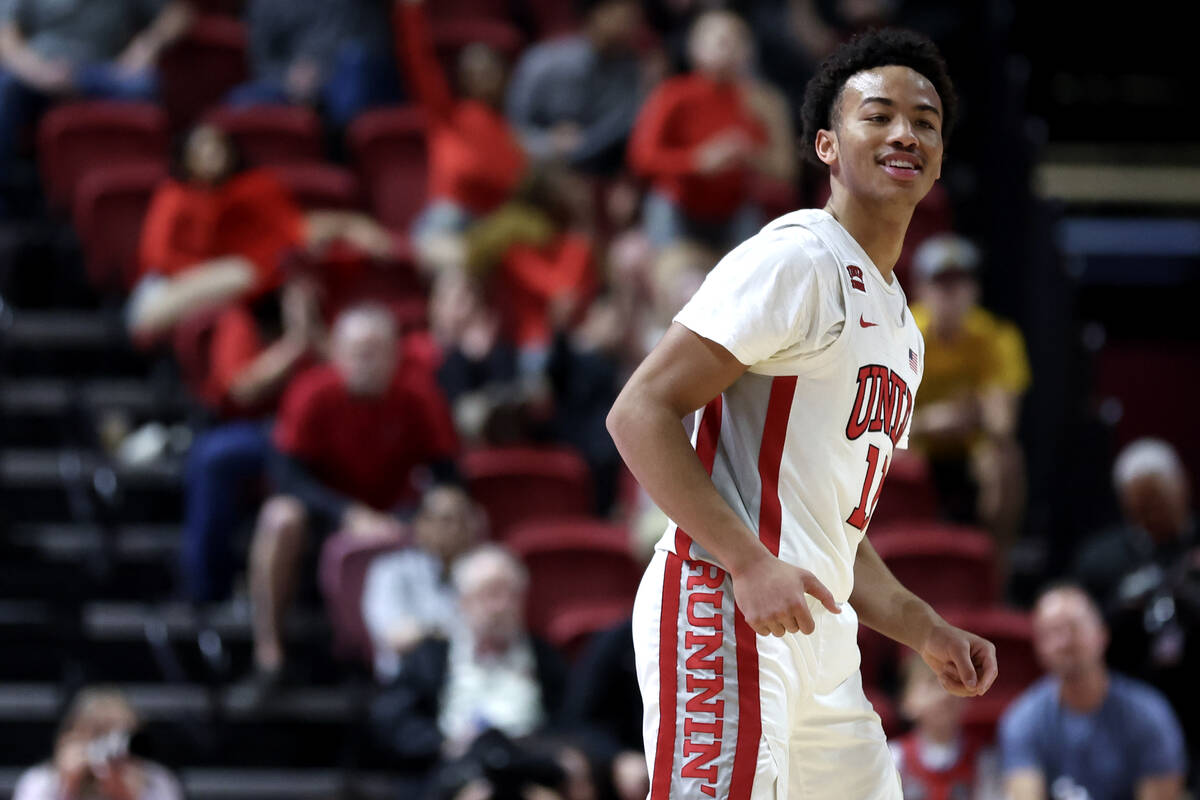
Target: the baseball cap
(946, 252)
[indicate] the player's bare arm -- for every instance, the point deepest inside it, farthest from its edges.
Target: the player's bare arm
(964, 663)
(683, 373)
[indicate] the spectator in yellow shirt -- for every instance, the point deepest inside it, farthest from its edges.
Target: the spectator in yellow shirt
(976, 371)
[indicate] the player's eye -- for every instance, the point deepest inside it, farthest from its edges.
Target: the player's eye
(877, 118)
(927, 124)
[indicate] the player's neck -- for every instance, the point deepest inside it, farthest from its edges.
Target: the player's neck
(878, 229)
(1084, 692)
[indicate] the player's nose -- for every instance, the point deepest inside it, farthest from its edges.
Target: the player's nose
(902, 134)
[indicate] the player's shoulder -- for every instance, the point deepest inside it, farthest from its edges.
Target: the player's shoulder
(795, 238)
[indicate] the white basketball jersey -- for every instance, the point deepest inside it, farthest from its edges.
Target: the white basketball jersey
(799, 446)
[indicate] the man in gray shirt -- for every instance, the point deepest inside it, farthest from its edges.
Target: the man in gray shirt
(57, 48)
(317, 52)
(576, 98)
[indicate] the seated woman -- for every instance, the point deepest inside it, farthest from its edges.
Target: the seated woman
(216, 232)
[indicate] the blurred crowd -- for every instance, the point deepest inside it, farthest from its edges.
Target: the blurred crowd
(578, 190)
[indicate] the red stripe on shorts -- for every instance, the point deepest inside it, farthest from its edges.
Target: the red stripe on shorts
(749, 732)
(706, 451)
(770, 456)
(668, 680)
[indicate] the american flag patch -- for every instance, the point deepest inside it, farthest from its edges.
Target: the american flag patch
(912, 360)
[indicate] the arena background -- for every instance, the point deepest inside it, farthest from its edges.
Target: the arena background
(1074, 170)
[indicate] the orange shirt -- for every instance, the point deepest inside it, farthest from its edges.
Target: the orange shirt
(680, 116)
(475, 159)
(251, 215)
(531, 276)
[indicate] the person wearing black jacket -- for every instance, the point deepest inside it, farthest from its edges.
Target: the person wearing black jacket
(489, 686)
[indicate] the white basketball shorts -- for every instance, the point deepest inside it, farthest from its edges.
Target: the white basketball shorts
(730, 714)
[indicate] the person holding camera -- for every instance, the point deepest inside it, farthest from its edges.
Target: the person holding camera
(92, 758)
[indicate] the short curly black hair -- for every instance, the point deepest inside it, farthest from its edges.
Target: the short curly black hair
(883, 47)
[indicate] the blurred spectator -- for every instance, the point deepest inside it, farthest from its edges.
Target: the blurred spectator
(1083, 731)
(490, 674)
(1145, 575)
(794, 36)
(479, 367)
(92, 760)
(976, 372)
(216, 233)
(1158, 536)
(335, 55)
(576, 98)
(585, 375)
(251, 361)
(475, 160)
(59, 48)
(407, 595)
(700, 136)
(531, 254)
(937, 760)
(350, 436)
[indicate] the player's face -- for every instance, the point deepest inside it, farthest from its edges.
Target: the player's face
(1068, 634)
(887, 139)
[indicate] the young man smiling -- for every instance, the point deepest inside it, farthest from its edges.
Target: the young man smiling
(801, 360)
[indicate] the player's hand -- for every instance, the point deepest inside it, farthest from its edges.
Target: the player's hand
(771, 595)
(964, 663)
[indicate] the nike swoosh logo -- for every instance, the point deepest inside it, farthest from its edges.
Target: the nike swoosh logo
(866, 324)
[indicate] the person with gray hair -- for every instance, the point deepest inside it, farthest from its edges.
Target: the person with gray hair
(1144, 573)
(489, 675)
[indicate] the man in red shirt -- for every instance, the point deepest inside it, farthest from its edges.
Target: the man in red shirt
(702, 136)
(349, 436)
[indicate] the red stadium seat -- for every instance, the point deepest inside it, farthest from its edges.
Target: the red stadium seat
(110, 206)
(342, 573)
(949, 566)
(521, 484)
(571, 629)
(908, 493)
(886, 709)
(390, 152)
(200, 68)
(574, 564)
(272, 134)
(320, 186)
(76, 138)
(876, 652)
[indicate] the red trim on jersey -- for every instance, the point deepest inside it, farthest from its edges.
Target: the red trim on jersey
(749, 733)
(668, 679)
(706, 451)
(770, 456)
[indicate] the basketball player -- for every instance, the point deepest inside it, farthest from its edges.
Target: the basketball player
(801, 360)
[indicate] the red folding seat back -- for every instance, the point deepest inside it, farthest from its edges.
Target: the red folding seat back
(949, 566)
(198, 70)
(320, 186)
(889, 714)
(572, 628)
(908, 493)
(574, 563)
(110, 208)
(75, 138)
(453, 10)
(272, 134)
(519, 484)
(342, 574)
(392, 158)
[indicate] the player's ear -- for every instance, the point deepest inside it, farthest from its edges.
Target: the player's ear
(826, 146)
